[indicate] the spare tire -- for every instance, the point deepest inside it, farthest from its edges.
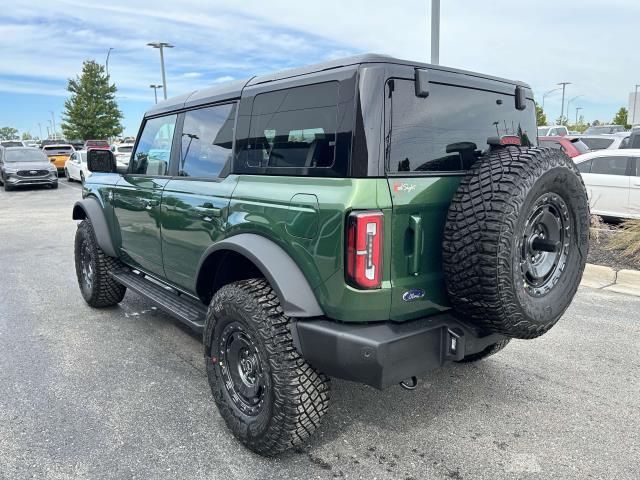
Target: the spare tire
(516, 241)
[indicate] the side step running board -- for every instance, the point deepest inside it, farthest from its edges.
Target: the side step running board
(188, 311)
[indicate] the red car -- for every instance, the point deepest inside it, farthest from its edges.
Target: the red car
(571, 146)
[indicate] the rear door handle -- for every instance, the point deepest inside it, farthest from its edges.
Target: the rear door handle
(415, 223)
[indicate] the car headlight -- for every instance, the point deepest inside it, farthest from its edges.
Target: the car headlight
(10, 170)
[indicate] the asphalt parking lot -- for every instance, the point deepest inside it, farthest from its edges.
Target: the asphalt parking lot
(122, 392)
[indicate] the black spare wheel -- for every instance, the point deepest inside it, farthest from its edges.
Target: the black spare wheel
(268, 395)
(516, 240)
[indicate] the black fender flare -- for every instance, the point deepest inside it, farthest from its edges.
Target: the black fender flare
(296, 295)
(90, 208)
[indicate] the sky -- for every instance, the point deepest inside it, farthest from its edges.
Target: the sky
(589, 43)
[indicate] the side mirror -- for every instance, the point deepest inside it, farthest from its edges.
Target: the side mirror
(101, 161)
(422, 82)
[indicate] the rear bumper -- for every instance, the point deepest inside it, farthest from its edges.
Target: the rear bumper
(385, 353)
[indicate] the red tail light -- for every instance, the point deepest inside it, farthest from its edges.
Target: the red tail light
(364, 249)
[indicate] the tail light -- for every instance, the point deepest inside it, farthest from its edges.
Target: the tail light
(364, 249)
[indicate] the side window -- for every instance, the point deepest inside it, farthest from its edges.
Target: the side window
(154, 147)
(610, 165)
(584, 167)
(207, 140)
(450, 129)
(293, 129)
(624, 143)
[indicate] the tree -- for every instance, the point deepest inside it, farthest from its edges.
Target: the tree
(621, 117)
(541, 117)
(8, 133)
(562, 120)
(91, 110)
(26, 136)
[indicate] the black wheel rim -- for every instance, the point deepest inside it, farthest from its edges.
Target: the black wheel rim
(86, 266)
(241, 368)
(544, 246)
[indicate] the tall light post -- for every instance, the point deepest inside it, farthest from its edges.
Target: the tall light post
(106, 63)
(40, 128)
(161, 46)
(53, 124)
(546, 94)
(155, 90)
(435, 32)
(569, 103)
(635, 99)
(564, 85)
(577, 110)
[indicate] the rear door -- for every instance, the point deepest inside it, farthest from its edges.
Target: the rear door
(430, 143)
(195, 201)
(634, 191)
(608, 185)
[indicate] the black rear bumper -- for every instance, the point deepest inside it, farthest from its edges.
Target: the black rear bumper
(384, 353)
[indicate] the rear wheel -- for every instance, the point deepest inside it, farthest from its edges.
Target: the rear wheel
(269, 396)
(516, 241)
(66, 174)
(82, 177)
(93, 269)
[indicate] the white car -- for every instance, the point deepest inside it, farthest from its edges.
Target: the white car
(76, 167)
(553, 131)
(122, 152)
(611, 141)
(612, 178)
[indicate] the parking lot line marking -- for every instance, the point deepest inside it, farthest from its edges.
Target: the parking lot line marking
(70, 186)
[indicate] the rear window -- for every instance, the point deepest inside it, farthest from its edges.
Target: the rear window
(128, 149)
(53, 150)
(448, 130)
(97, 143)
(292, 131)
(11, 143)
(550, 143)
(579, 145)
(597, 143)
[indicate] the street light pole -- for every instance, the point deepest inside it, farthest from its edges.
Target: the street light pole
(106, 63)
(577, 110)
(155, 90)
(546, 94)
(161, 46)
(564, 84)
(635, 99)
(40, 128)
(435, 32)
(569, 103)
(53, 124)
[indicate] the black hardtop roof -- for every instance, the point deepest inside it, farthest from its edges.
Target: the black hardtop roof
(233, 89)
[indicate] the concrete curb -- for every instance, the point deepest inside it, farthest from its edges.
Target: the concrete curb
(606, 278)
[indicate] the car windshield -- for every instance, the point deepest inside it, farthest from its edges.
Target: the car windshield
(11, 143)
(21, 155)
(126, 149)
(597, 143)
(542, 131)
(600, 130)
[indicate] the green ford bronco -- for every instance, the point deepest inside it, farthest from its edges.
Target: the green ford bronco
(368, 219)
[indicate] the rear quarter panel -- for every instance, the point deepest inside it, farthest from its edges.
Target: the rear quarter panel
(283, 210)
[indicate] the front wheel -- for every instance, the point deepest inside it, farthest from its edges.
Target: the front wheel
(269, 396)
(93, 269)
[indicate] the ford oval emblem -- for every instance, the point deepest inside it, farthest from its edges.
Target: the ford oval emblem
(414, 294)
